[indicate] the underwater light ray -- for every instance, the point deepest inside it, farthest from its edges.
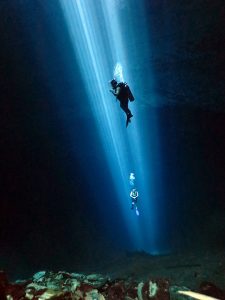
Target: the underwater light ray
(123, 147)
(197, 295)
(111, 141)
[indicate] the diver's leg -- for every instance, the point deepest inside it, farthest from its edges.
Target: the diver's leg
(124, 106)
(127, 112)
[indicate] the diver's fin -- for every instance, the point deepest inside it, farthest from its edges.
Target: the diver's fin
(137, 212)
(128, 119)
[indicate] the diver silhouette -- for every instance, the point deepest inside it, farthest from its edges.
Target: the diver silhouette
(122, 93)
(134, 197)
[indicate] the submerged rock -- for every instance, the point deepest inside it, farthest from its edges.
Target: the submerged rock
(210, 289)
(3, 284)
(62, 285)
(154, 289)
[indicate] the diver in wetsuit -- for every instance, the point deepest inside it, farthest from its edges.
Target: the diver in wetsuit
(122, 92)
(134, 198)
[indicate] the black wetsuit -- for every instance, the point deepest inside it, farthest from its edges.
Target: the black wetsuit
(134, 203)
(123, 97)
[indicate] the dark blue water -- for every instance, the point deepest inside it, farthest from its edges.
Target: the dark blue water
(57, 209)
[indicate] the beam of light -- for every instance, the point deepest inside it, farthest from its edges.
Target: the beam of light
(100, 49)
(196, 295)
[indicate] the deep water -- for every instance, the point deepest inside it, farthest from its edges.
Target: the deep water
(58, 208)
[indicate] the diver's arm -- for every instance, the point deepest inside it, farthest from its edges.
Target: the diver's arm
(116, 91)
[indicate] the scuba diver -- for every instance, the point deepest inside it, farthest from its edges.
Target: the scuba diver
(123, 93)
(134, 198)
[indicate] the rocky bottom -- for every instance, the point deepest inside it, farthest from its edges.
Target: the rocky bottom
(63, 285)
